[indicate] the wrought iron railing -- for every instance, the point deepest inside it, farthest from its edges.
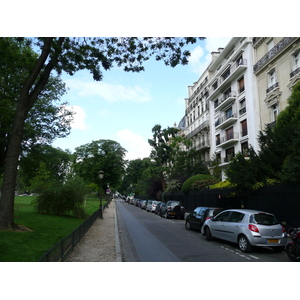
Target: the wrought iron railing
(65, 246)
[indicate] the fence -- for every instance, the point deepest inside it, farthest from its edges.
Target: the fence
(65, 246)
(283, 201)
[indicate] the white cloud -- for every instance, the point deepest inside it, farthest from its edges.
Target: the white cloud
(109, 92)
(135, 144)
(198, 60)
(79, 117)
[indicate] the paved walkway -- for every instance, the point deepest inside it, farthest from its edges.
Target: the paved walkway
(101, 242)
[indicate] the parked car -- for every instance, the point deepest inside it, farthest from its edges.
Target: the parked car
(247, 228)
(143, 204)
(172, 209)
(197, 217)
(154, 204)
(149, 205)
(157, 208)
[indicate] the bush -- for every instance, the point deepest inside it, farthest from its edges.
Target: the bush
(62, 199)
(223, 184)
(198, 182)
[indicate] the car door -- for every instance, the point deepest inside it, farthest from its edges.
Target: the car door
(217, 225)
(193, 217)
(233, 227)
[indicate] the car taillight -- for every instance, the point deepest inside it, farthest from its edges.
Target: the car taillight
(283, 229)
(207, 218)
(253, 228)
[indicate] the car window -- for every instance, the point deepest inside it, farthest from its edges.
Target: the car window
(236, 217)
(223, 216)
(197, 210)
(203, 211)
(263, 219)
(214, 212)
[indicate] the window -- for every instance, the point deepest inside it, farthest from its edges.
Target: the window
(270, 44)
(229, 133)
(227, 93)
(218, 140)
(236, 217)
(245, 147)
(223, 216)
(296, 60)
(239, 61)
(226, 74)
(275, 112)
(229, 154)
(244, 127)
(241, 85)
(272, 78)
(228, 113)
(242, 107)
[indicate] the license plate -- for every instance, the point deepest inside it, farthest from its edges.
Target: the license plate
(273, 241)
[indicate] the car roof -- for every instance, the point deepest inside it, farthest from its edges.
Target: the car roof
(246, 210)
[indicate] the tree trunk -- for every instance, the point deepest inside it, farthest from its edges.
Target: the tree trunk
(10, 171)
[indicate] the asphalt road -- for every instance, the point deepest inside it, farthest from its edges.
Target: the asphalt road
(146, 237)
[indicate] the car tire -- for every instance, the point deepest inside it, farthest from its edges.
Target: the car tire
(208, 234)
(166, 215)
(202, 230)
(244, 244)
(188, 225)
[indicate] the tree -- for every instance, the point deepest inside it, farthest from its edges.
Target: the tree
(70, 55)
(105, 155)
(184, 162)
(56, 161)
(161, 151)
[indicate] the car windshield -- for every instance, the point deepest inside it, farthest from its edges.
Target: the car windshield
(263, 219)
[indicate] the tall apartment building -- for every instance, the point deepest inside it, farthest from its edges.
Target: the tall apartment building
(277, 70)
(244, 88)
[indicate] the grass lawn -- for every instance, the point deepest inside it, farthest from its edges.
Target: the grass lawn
(47, 230)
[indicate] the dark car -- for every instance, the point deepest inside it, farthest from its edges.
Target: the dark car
(157, 208)
(172, 208)
(196, 218)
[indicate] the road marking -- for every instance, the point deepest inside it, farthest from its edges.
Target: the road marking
(239, 253)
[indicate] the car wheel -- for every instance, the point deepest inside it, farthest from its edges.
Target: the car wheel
(202, 230)
(166, 215)
(244, 244)
(208, 234)
(188, 225)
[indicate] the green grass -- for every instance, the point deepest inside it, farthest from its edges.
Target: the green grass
(47, 230)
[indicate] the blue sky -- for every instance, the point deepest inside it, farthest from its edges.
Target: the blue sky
(124, 107)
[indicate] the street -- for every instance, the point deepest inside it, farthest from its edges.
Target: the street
(146, 237)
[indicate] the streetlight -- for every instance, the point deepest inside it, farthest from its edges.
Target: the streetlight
(101, 175)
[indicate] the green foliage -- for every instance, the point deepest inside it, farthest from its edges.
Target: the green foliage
(62, 198)
(45, 231)
(105, 155)
(198, 182)
(222, 184)
(173, 186)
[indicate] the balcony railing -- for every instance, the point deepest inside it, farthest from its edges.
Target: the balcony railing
(295, 72)
(226, 119)
(285, 42)
(232, 137)
(272, 87)
(242, 111)
(202, 126)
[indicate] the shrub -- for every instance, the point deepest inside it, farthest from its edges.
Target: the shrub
(222, 184)
(62, 199)
(198, 182)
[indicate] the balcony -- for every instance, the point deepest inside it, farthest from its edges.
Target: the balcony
(276, 50)
(224, 100)
(204, 125)
(229, 139)
(227, 77)
(226, 120)
(272, 87)
(295, 72)
(204, 145)
(242, 111)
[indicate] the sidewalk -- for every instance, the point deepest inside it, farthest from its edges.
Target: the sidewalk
(101, 242)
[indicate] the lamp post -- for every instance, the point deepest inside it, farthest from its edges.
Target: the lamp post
(101, 175)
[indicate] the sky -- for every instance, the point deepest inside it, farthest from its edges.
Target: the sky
(124, 107)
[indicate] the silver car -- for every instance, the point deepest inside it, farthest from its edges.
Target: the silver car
(247, 228)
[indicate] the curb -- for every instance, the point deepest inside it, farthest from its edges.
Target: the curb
(117, 238)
